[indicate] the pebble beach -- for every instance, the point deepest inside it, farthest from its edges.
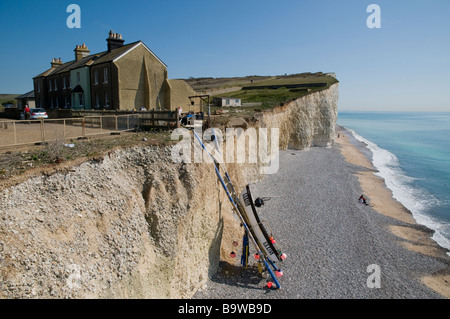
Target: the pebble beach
(333, 242)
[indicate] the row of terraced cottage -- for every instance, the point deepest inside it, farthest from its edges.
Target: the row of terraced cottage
(124, 77)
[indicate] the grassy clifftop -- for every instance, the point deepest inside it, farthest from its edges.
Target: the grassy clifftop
(269, 91)
(263, 92)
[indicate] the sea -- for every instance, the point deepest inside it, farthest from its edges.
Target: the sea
(411, 151)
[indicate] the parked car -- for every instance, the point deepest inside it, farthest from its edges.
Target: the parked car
(37, 114)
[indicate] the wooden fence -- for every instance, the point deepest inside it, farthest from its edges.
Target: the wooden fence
(148, 120)
(47, 130)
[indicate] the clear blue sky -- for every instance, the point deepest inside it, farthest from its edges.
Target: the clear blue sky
(404, 65)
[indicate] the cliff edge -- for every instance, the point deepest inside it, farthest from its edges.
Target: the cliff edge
(135, 224)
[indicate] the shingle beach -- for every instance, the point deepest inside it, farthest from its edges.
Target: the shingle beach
(333, 242)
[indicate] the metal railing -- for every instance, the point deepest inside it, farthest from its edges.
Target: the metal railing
(14, 133)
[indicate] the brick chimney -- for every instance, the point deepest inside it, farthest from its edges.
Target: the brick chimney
(56, 62)
(81, 51)
(114, 41)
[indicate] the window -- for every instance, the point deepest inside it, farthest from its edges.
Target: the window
(80, 99)
(97, 100)
(38, 86)
(106, 100)
(50, 85)
(95, 77)
(64, 83)
(228, 102)
(78, 77)
(105, 75)
(56, 86)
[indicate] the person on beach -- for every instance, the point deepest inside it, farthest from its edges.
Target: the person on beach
(362, 200)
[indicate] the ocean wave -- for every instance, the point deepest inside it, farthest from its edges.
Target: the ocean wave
(415, 199)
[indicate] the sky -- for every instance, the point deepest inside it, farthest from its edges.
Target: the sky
(402, 66)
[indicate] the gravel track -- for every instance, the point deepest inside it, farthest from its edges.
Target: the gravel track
(330, 239)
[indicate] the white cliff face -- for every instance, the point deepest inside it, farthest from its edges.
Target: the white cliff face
(305, 122)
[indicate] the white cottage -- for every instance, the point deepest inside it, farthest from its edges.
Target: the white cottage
(226, 101)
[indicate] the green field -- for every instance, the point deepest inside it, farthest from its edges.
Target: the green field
(202, 84)
(273, 97)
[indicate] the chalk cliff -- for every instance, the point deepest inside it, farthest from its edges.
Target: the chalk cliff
(305, 122)
(135, 224)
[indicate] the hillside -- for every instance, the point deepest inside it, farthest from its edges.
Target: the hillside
(7, 97)
(210, 83)
(267, 91)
